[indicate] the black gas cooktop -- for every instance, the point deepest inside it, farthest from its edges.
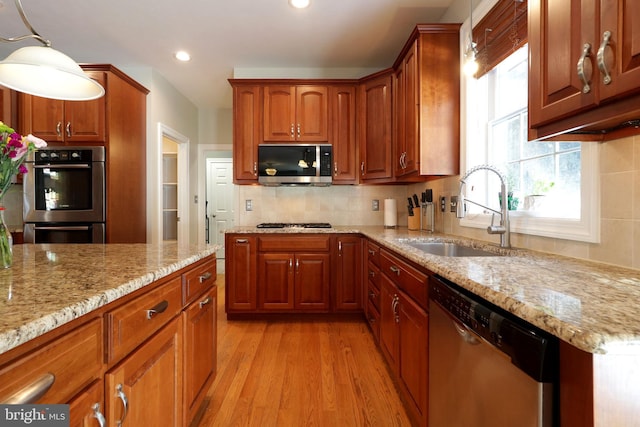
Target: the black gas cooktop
(294, 225)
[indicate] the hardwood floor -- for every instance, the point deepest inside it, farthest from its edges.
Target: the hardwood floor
(299, 372)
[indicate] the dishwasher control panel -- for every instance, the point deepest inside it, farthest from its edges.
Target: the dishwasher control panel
(530, 348)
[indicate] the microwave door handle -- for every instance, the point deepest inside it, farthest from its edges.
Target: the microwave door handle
(64, 228)
(63, 166)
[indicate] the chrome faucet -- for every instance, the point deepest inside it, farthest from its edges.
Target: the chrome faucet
(503, 228)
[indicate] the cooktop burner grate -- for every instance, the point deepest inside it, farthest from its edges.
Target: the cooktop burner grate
(294, 225)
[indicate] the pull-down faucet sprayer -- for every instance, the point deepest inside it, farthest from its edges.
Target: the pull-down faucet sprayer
(503, 228)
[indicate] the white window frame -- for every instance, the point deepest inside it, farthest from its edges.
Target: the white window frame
(585, 229)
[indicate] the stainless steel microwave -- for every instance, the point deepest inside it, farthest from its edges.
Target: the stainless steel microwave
(295, 164)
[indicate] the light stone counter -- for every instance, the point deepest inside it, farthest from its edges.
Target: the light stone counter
(50, 285)
(592, 306)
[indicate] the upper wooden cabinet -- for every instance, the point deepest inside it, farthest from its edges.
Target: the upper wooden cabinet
(374, 120)
(426, 139)
(584, 67)
(296, 113)
(342, 100)
(69, 122)
(247, 131)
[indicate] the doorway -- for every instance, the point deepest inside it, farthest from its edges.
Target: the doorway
(173, 194)
(220, 202)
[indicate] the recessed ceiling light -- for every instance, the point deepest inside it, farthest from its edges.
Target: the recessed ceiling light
(299, 4)
(183, 56)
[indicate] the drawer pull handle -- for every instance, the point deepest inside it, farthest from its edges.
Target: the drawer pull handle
(33, 391)
(68, 129)
(59, 129)
(204, 302)
(125, 404)
(606, 37)
(372, 252)
(160, 308)
(372, 273)
(98, 415)
(586, 88)
(242, 240)
(205, 276)
(395, 269)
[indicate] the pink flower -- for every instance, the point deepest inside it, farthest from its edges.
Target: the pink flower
(22, 169)
(38, 142)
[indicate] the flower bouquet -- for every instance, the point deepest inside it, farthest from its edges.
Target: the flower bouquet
(14, 149)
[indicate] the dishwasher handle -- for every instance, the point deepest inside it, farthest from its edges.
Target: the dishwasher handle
(467, 336)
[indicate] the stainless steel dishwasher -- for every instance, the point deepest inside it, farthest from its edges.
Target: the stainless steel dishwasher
(486, 366)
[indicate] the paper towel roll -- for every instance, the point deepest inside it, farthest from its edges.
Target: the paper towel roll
(390, 213)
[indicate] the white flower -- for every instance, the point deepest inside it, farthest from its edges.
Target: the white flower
(38, 142)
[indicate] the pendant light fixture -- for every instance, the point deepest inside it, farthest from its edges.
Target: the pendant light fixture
(470, 56)
(44, 71)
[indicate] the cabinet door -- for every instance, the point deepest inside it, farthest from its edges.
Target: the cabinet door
(621, 18)
(149, 381)
(411, 142)
(375, 128)
(84, 121)
(312, 281)
(87, 408)
(389, 321)
(348, 286)
(275, 281)
(312, 107)
(343, 124)
(279, 113)
(247, 132)
(558, 32)
(42, 117)
(413, 355)
(199, 351)
(240, 272)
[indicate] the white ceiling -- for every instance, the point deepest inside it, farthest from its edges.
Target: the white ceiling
(339, 35)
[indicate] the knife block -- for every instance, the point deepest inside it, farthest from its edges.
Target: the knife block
(414, 221)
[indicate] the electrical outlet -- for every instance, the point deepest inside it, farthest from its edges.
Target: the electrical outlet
(443, 204)
(248, 206)
(375, 205)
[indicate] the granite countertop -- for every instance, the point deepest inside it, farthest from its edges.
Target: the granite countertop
(49, 285)
(590, 305)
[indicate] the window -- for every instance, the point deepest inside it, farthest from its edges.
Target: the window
(552, 185)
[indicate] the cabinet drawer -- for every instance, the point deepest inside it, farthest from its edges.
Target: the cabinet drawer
(130, 324)
(373, 295)
(373, 253)
(294, 243)
(373, 318)
(196, 280)
(74, 360)
(406, 277)
(373, 273)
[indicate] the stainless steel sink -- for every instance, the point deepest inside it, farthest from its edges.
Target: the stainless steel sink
(449, 249)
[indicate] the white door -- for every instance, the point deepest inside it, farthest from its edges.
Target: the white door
(220, 201)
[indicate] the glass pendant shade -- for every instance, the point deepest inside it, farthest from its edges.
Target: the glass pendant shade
(46, 72)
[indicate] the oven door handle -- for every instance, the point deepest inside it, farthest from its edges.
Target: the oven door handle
(64, 228)
(65, 166)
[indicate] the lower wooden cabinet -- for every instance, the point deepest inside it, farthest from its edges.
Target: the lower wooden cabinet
(145, 389)
(87, 409)
(348, 277)
(240, 273)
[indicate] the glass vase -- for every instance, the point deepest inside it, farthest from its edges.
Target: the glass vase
(6, 243)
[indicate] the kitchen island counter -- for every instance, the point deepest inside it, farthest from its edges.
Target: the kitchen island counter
(590, 305)
(49, 285)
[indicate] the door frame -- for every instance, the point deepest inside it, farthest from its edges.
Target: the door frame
(165, 131)
(202, 193)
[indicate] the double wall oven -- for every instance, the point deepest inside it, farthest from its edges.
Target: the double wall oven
(64, 196)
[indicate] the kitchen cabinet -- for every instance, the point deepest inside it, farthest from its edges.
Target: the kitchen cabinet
(247, 132)
(295, 113)
(374, 121)
(348, 270)
(87, 409)
(65, 122)
(294, 274)
(404, 330)
(240, 273)
(586, 80)
(343, 133)
(426, 110)
(372, 309)
(8, 106)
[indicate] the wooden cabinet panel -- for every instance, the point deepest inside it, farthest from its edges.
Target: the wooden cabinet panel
(311, 281)
(349, 278)
(240, 272)
(75, 361)
(343, 140)
(389, 322)
(279, 113)
(312, 114)
(87, 408)
(406, 277)
(406, 113)
(375, 127)
(275, 281)
(295, 113)
(149, 380)
(130, 324)
(196, 280)
(200, 327)
(306, 243)
(247, 132)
